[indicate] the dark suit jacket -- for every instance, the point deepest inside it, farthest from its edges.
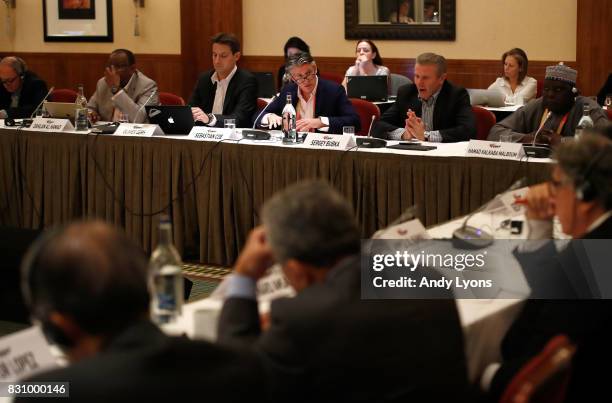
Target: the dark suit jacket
(33, 91)
(145, 365)
(240, 99)
(331, 102)
(328, 345)
(587, 322)
(453, 115)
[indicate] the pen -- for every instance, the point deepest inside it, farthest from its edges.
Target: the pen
(520, 200)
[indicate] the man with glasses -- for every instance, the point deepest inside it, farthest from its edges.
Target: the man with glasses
(21, 90)
(556, 114)
(580, 196)
(123, 91)
(225, 92)
(321, 105)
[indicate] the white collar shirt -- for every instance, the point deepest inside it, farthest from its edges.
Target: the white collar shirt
(221, 90)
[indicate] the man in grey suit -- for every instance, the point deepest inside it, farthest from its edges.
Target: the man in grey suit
(326, 342)
(123, 89)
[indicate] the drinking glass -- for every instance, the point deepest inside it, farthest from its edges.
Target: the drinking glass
(348, 130)
(122, 117)
(505, 138)
(231, 125)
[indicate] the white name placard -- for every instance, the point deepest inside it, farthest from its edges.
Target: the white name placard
(51, 125)
(496, 150)
(138, 130)
(204, 133)
(510, 199)
(329, 141)
(23, 354)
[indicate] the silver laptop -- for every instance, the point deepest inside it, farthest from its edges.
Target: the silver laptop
(492, 98)
(61, 110)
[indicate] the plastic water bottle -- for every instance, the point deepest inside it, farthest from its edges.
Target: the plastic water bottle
(165, 277)
(289, 115)
(585, 122)
(80, 118)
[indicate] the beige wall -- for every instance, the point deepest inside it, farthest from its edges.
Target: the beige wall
(546, 29)
(160, 29)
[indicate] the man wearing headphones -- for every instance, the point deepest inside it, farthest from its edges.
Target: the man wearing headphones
(21, 90)
(552, 116)
(86, 285)
(580, 195)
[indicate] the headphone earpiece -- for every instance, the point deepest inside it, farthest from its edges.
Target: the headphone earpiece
(585, 191)
(575, 90)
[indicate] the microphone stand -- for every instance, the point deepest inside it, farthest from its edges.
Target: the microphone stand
(257, 134)
(263, 110)
(369, 141)
(538, 151)
(143, 105)
(41, 102)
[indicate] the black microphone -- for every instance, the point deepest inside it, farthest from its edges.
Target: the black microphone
(469, 237)
(43, 100)
(369, 141)
(263, 110)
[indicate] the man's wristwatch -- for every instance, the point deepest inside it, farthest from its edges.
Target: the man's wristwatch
(211, 117)
(426, 134)
(114, 89)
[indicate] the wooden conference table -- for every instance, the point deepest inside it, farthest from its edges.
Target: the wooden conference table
(213, 191)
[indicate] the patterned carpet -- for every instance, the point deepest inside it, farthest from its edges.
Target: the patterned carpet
(205, 279)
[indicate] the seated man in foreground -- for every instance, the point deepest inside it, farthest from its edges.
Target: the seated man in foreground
(320, 105)
(327, 342)
(87, 287)
(580, 195)
(123, 90)
(556, 114)
(431, 109)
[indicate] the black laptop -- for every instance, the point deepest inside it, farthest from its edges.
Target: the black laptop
(370, 88)
(172, 119)
(265, 85)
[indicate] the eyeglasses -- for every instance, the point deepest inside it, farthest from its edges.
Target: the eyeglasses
(9, 81)
(305, 77)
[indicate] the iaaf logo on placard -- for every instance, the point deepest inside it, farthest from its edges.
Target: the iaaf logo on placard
(494, 145)
(328, 137)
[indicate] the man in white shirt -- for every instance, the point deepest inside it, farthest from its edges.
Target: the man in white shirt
(123, 92)
(320, 105)
(226, 92)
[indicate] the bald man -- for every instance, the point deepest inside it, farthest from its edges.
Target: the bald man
(21, 91)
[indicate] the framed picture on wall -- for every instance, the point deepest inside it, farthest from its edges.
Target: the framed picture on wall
(78, 20)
